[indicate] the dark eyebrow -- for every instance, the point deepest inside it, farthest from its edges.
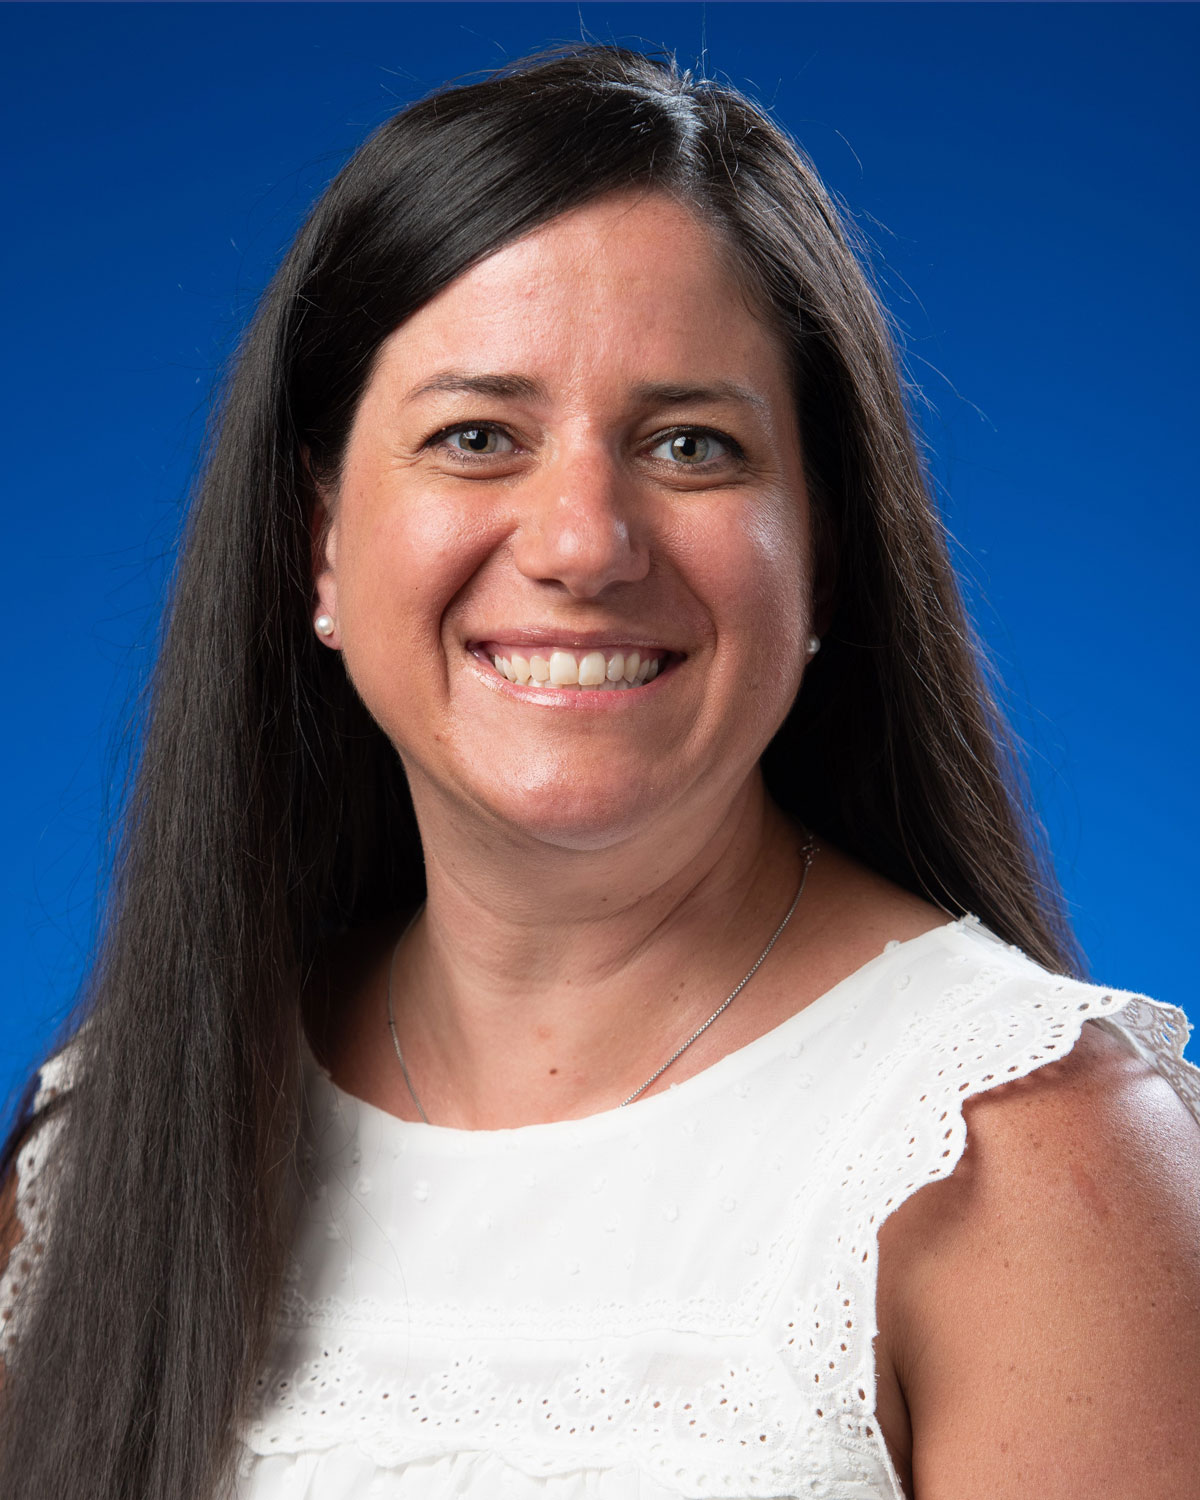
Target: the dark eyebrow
(522, 388)
(516, 387)
(689, 395)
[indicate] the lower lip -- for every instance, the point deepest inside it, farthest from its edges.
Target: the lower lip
(590, 699)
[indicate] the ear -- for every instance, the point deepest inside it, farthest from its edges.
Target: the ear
(323, 536)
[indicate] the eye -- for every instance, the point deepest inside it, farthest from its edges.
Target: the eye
(474, 439)
(692, 448)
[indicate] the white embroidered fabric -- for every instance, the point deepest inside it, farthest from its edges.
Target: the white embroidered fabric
(33, 1199)
(672, 1299)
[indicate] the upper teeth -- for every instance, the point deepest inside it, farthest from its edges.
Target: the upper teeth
(567, 668)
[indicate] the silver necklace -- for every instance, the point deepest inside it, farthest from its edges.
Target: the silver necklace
(807, 853)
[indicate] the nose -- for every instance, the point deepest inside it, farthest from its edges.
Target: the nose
(580, 528)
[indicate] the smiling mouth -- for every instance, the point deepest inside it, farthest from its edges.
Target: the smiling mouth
(572, 669)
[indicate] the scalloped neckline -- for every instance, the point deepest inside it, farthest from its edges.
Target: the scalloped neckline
(621, 1117)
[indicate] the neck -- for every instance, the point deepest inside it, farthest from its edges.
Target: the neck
(544, 983)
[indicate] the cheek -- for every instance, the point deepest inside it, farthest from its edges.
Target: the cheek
(753, 565)
(775, 597)
(402, 561)
(779, 556)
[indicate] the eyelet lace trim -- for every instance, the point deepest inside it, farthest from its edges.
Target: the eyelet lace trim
(784, 1403)
(33, 1204)
(742, 1429)
(830, 1338)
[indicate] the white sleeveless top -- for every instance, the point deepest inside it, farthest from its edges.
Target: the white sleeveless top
(676, 1298)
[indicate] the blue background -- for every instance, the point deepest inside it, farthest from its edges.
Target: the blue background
(1024, 173)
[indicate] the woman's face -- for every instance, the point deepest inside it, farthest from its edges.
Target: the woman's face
(580, 457)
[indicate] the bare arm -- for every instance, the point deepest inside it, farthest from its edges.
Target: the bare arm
(1043, 1303)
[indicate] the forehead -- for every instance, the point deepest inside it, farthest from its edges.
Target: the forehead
(626, 289)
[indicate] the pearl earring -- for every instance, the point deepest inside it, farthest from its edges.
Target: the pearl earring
(323, 624)
(814, 644)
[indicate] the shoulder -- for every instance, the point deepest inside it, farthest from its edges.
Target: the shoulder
(1083, 1141)
(1043, 1301)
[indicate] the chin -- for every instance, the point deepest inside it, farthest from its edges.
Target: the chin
(575, 816)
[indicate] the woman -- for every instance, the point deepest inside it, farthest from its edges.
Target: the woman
(537, 982)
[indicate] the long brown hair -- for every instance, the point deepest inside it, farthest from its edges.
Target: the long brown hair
(269, 810)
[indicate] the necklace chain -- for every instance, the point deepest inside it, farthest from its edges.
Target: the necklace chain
(807, 853)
